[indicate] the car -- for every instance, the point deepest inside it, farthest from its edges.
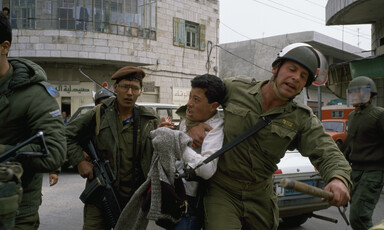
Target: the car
(295, 207)
(337, 128)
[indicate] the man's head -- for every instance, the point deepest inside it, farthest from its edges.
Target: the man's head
(206, 95)
(300, 63)
(360, 91)
(129, 81)
(6, 10)
(102, 94)
(5, 34)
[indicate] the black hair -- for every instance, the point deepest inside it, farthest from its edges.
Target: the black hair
(131, 78)
(7, 9)
(5, 29)
(212, 85)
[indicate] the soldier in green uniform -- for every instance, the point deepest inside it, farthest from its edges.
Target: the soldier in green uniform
(116, 139)
(240, 194)
(27, 106)
(365, 151)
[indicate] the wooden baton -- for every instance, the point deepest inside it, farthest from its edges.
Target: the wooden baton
(305, 188)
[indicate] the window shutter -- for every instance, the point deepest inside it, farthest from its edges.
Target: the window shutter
(178, 32)
(202, 37)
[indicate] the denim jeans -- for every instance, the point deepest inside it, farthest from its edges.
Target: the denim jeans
(193, 219)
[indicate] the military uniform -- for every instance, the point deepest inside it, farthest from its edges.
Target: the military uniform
(27, 107)
(241, 191)
(366, 154)
(114, 142)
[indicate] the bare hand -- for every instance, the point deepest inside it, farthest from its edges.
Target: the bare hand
(340, 192)
(197, 133)
(53, 179)
(166, 122)
(86, 156)
(85, 169)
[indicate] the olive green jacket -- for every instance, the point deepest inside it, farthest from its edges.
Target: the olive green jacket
(26, 107)
(80, 130)
(365, 132)
(255, 159)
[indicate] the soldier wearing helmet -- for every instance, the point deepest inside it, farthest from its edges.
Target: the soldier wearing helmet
(240, 194)
(102, 94)
(364, 150)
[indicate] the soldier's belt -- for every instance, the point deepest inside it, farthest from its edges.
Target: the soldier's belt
(226, 180)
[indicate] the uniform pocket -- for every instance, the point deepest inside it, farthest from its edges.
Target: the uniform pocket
(237, 119)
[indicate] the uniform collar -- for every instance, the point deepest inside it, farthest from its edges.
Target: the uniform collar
(256, 89)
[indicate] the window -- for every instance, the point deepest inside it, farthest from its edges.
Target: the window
(188, 34)
(136, 18)
(337, 114)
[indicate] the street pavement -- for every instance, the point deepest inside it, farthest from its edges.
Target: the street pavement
(62, 209)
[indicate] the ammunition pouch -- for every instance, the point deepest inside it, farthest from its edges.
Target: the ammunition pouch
(10, 193)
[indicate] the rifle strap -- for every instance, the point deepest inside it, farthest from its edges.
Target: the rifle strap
(97, 110)
(134, 147)
(264, 121)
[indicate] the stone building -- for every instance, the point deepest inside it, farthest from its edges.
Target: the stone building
(167, 38)
(350, 12)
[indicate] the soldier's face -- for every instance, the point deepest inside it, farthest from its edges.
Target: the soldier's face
(127, 93)
(198, 107)
(291, 78)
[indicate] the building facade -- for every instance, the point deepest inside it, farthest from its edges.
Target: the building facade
(254, 58)
(349, 12)
(167, 38)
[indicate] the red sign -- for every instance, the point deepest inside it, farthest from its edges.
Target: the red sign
(105, 84)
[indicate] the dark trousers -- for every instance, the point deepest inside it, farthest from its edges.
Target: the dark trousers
(194, 218)
(366, 190)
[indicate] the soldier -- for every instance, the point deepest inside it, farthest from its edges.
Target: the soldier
(365, 151)
(102, 94)
(28, 106)
(240, 194)
(121, 136)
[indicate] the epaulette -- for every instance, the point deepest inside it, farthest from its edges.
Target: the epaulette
(302, 106)
(50, 89)
(245, 79)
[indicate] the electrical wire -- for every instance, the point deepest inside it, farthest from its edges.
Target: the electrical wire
(250, 38)
(306, 18)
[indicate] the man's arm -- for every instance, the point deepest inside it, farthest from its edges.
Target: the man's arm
(197, 134)
(327, 158)
(41, 117)
(212, 143)
(77, 133)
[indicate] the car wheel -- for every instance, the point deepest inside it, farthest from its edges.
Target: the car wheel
(339, 143)
(295, 221)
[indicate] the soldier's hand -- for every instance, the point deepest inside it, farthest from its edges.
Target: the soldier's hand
(86, 156)
(53, 179)
(85, 169)
(197, 133)
(166, 122)
(340, 192)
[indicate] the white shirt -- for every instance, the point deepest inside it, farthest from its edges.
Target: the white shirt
(213, 141)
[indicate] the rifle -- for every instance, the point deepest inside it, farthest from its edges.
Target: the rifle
(100, 189)
(11, 154)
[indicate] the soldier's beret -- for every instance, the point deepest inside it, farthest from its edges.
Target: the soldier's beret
(128, 71)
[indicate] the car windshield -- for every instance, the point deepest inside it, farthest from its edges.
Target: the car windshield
(333, 126)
